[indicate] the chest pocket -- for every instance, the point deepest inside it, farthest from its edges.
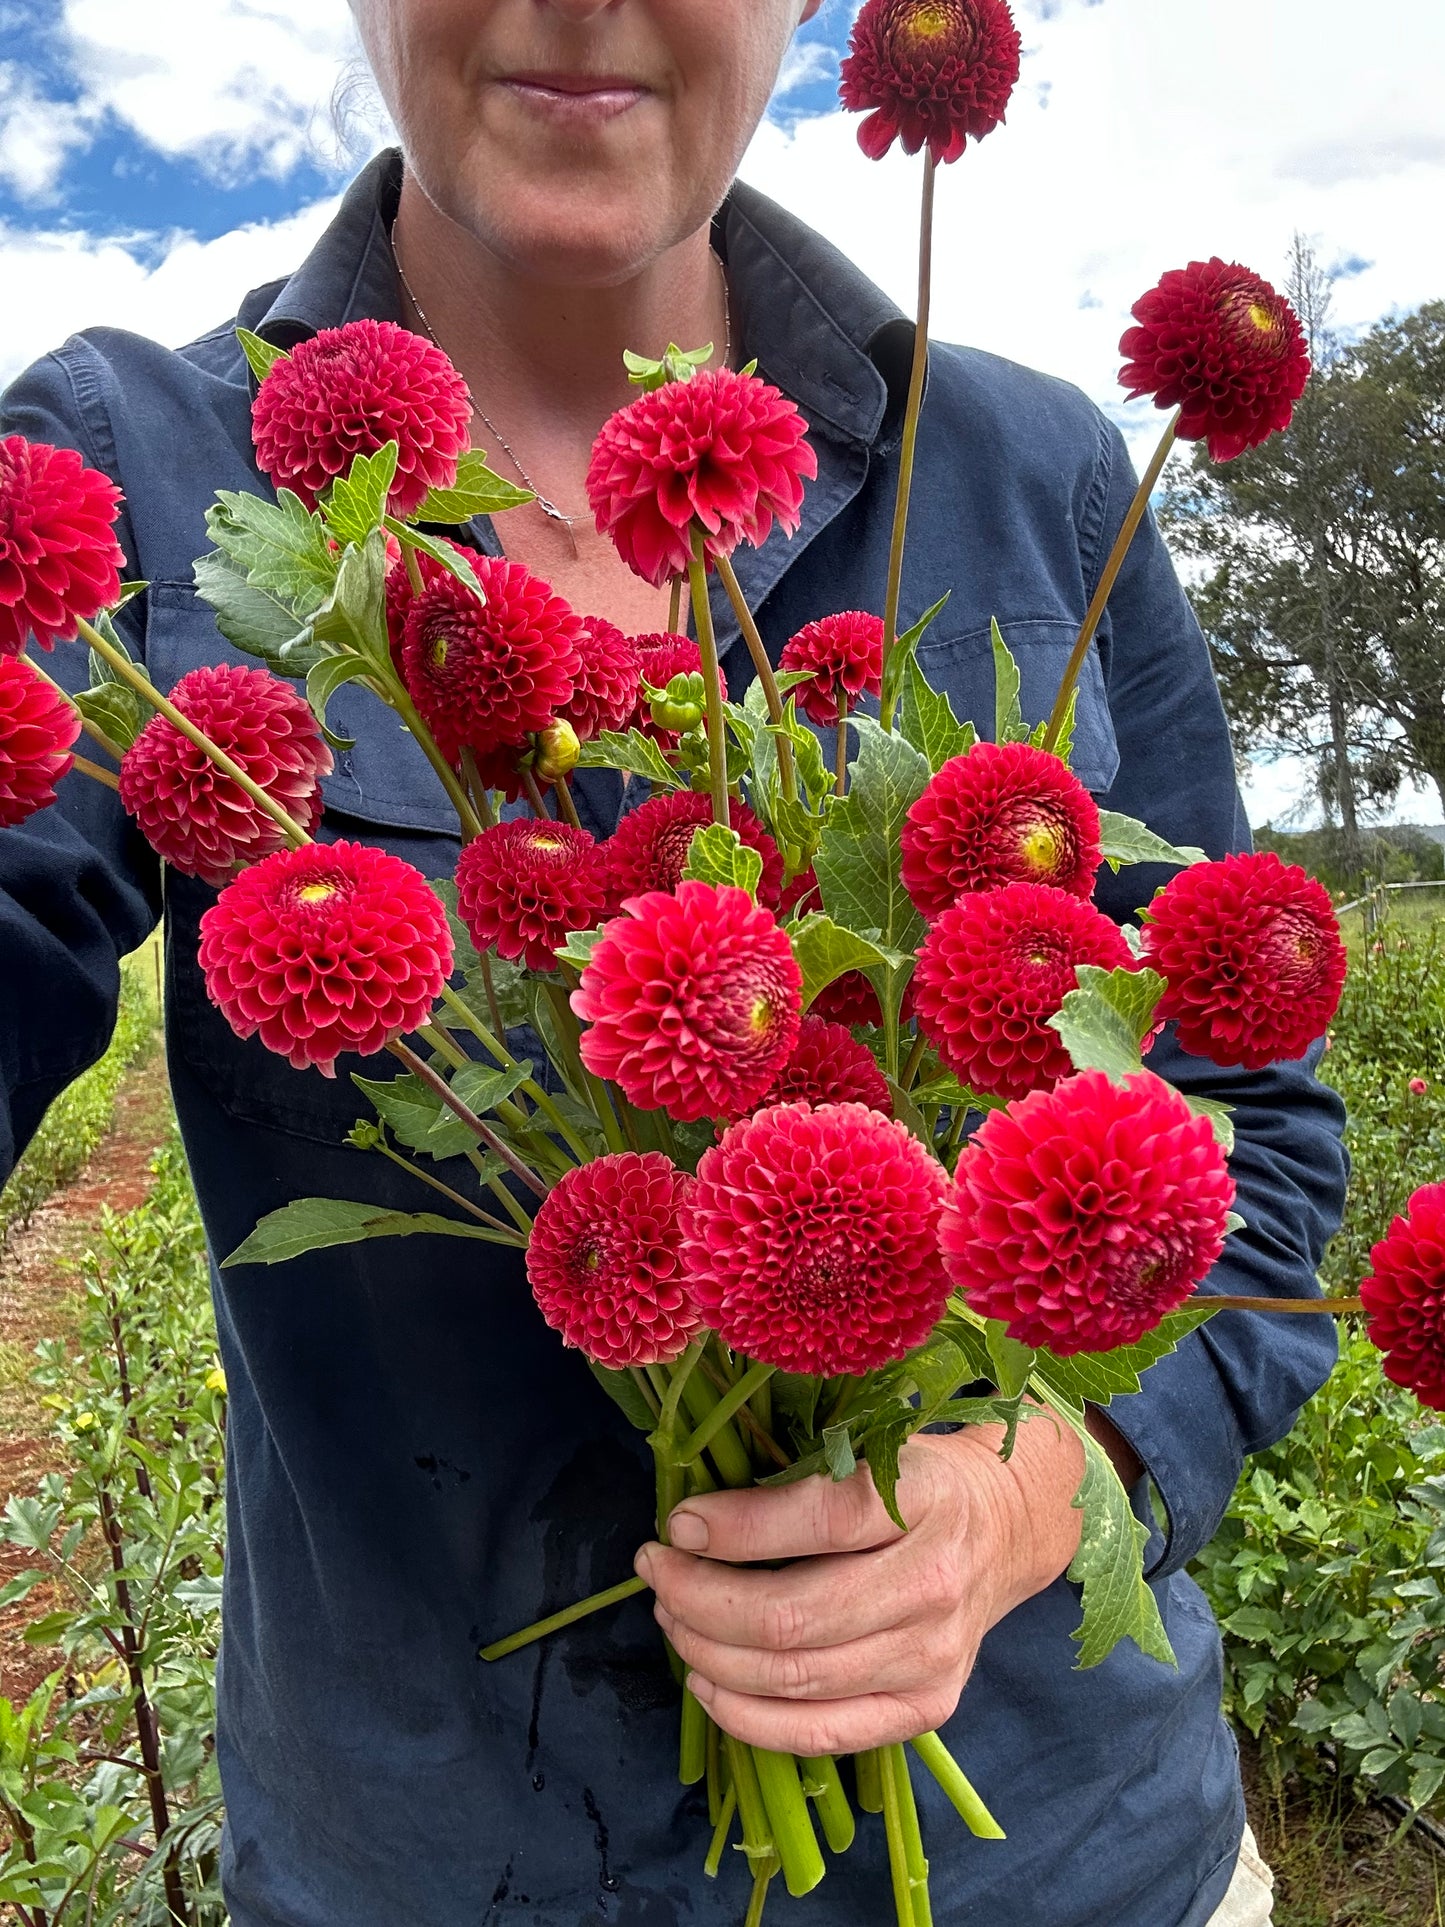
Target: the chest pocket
(382, 792)
(962, 667)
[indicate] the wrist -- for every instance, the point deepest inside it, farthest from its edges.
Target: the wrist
(1024, 1505)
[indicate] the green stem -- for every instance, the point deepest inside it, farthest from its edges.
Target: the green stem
(869, 1776)
(677, 1386)
(717, 751)
(692, 1745)
(729, 1454)
(914, 1856)
(915, 1058)
(132, 677)
(910, 428)
(1332, 1307)
(840, 749)
(92, 730)
(757, 1837)
(824, 1784)
(787, 775)
(674, 606)
(401, 702)
(566, 808)
(570, 1033)
(714, 1773)
(584, 1608)
(790, 1820)
(730, 1403)
(483, 1217)
(959, 1788)
(897, 1843)
(759, 1900)
(465, 1015)
(439, 1086)
(94, 771)
(721, 1830)
(1122, 544)
(499, 1191)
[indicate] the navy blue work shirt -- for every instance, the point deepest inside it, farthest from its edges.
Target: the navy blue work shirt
(415, 1464)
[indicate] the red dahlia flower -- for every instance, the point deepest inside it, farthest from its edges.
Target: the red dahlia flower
(937, 72)
(604, 1261)
(648, 850)
(605, 693)
(485, 676)
(992, 971)
(37, 728)
(724, 451)
(1251, 952)
(1001, 813)
(524, 886)
(200, 821)
(349, 391)
(1405, 1297)
(59, 560)
(845, 653)
(1084, 1215)
(811, 1240)
(693, 1001)
(334, 947)
(849, 999)
(830, 1066)
(1217, 342)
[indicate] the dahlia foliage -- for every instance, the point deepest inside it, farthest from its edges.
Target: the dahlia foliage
(817, 1088)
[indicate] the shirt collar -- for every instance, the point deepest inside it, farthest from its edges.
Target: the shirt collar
(817, 327)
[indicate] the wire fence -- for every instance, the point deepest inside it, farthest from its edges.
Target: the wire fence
(1374, 906)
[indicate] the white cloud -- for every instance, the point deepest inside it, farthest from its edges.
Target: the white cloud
(36, 135)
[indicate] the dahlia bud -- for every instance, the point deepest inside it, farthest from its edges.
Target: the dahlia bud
(558, 751)
(679, 707)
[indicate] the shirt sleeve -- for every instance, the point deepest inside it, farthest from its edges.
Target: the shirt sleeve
(1238, 1383)
(79, 888)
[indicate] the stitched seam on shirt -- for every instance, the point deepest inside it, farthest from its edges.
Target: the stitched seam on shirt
(1091, 527)
(85, 388)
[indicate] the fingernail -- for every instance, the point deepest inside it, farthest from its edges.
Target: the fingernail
(688, 1531)
(701, 1689)
(642, 1564)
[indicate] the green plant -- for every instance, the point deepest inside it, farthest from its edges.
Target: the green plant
(108, 1784)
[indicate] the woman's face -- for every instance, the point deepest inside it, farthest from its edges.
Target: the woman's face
(577, 139)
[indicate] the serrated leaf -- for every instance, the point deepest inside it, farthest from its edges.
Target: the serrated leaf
(115, 710)
(580, 945)
(406, 1106)
(857, 860)
(315, 1224)
(1109, 1565)
(261, 355)
(825, 950)
(880, 1446)
(1219, 1115)
(476, 491)
(624, 1391)
(1012, 1362)
(355, 503)
(1105, 1021)
(322, 683)
(281, 546)
(1093, 1378)
(928, 722)
(481, 1087)
(903, 656)
(718, 855)
(838, 1453)
(353, 616)
(639, 755)
(439, 551)
(253, 619)
(1126, 840)
(1008, 724)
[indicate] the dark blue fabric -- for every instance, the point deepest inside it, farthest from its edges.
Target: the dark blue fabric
(415, 1463)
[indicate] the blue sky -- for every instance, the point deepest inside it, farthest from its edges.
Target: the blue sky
(159, 157)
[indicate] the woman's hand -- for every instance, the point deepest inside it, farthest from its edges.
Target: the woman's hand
(869, 1637)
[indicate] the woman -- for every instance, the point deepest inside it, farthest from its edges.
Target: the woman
(414, 1463)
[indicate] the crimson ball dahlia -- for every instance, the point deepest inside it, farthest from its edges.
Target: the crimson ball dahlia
(37, 728)
(845, 654)
(1404, 1297)
(725, 452)
(849, 999)
(333, 947)
(349, 391)
(993, 970)
(1251, 954)
(1219, 343)
(649, 848)
(604, 1261)
(692, 1001)
(524, 886)
(935, 73)
(485, 675)
(195, 818)
(605, 693)
(1084, 1215)
(59, 560)
(811, 1239)
(1001, 813)
(830, 1066)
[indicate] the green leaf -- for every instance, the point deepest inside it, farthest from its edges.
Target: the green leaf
(313, 1224)
(408, 1107)
(881, 1445)
(903, 656)
(1093, 1378)
(580, 945)
(1425, 1782)
(825, 950)
(624, 1391)
(439, 551)
(1126, 840)
(639, 755)
(281, 546)
(254, 619)
(481, 1088)
(261, 355)
(322, 683)
(719, 855)
(1009, 726)
(476, 491)
(1219, 1115)
(838, 1453)
(353, 616)
(1105, 1021)
(1109, 1565)
(356, 502)
(116, 710)
(928, 722)
(1012, 1362)
(907, 1113)
(857, 860)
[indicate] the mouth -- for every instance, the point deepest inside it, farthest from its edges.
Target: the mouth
(575, 96)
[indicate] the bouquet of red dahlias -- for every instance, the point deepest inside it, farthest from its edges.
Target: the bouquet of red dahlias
(850, 1130)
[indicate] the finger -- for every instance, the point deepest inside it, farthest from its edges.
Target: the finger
(825, 1726)
(815, 1515)
(902, 1660)
(817, 1602)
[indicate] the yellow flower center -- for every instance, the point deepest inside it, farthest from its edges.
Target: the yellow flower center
(438, 652)
(1262, 318)
(315, 892)
(1039, 848)
(760, 1017)
(927, 23)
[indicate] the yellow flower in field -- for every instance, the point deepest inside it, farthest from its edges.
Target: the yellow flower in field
(216, 1380)
(85, 1421)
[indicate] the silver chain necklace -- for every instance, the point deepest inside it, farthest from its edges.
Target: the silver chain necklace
(548, 508)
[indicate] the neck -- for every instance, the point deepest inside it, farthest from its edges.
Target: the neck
(536, 351)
